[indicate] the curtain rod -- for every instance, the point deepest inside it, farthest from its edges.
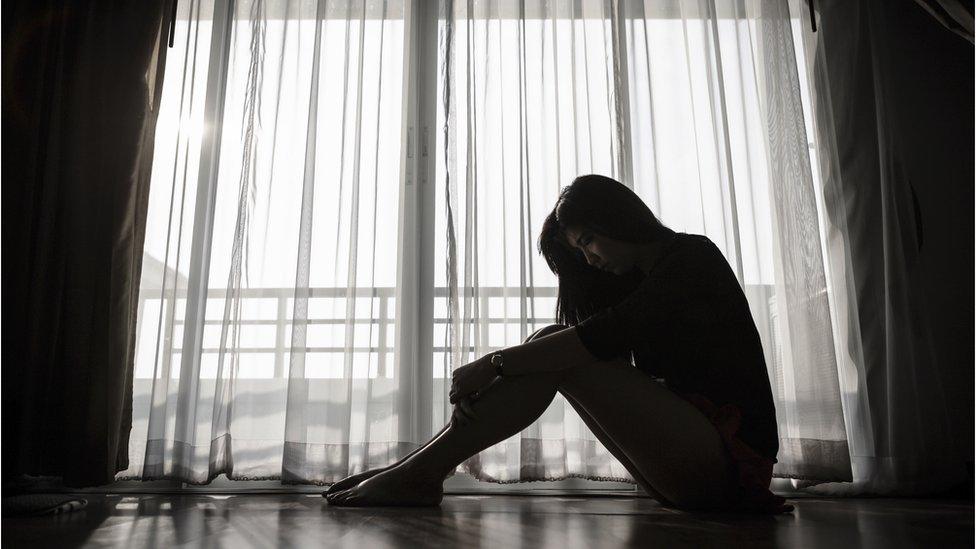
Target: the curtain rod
(172, 23)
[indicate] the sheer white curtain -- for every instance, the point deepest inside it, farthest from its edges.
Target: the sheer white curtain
(346, 197)
(269, 294)
(697, 106)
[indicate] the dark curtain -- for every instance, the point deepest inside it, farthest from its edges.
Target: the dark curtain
(955, 15)
(81, 87)
(901, 88)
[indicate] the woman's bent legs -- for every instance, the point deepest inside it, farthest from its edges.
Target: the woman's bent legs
(671, 446)
(353, 480)
(576, 382)
(508, 406)
(615, 450)
(668, 445)
(505, 408)
(598, 431)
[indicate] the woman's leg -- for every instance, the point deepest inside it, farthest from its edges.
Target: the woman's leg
(353, 480)
(507, 407)
(615, 450)
(598, 431)
(673, 449)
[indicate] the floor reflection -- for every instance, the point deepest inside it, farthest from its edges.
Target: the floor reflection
(563, 522)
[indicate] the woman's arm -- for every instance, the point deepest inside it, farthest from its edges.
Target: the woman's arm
(556, 351)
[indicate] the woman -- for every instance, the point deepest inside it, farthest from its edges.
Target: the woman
(693, 422)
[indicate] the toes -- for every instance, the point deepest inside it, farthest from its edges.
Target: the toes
(343, 484)
(346, 498)
(337, 501)
(337, 497)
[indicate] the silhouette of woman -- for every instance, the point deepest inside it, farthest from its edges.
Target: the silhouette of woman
(691, 418)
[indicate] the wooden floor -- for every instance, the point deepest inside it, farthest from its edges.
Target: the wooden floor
(492, 521)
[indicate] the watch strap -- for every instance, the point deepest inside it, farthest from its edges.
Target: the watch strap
(497, 360)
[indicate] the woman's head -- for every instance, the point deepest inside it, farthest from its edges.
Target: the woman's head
(593, 241)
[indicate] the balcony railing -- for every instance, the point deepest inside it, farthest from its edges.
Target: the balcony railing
(381, 316)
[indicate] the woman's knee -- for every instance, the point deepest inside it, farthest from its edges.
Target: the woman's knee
(544, 331)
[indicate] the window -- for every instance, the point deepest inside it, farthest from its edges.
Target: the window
(307, 161)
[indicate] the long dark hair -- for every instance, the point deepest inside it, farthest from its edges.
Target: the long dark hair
(607, 207)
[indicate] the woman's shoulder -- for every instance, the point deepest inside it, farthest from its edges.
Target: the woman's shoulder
(694, 258)
(690, 246)
(691, 239)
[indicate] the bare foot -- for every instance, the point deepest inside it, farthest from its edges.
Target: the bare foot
(394, 487)
(353, 480)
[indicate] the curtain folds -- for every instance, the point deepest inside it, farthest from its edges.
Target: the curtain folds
(278, 297)
(268, 310)
(80, 103)
(955, 15)
(695, 105)
(880, 112)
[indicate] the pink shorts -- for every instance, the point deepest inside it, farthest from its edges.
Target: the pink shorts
(751, 472)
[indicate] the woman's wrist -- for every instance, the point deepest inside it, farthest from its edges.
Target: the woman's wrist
(557, 351)
(490, 366)
(486, 364)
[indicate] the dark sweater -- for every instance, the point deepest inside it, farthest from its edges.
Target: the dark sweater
(689, 323)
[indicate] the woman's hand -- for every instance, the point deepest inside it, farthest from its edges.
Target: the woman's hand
(471, 378)
(463, 413)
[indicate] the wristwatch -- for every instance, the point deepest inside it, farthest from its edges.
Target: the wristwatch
(497, 360)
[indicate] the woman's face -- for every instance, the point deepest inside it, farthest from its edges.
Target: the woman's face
(602, 251)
